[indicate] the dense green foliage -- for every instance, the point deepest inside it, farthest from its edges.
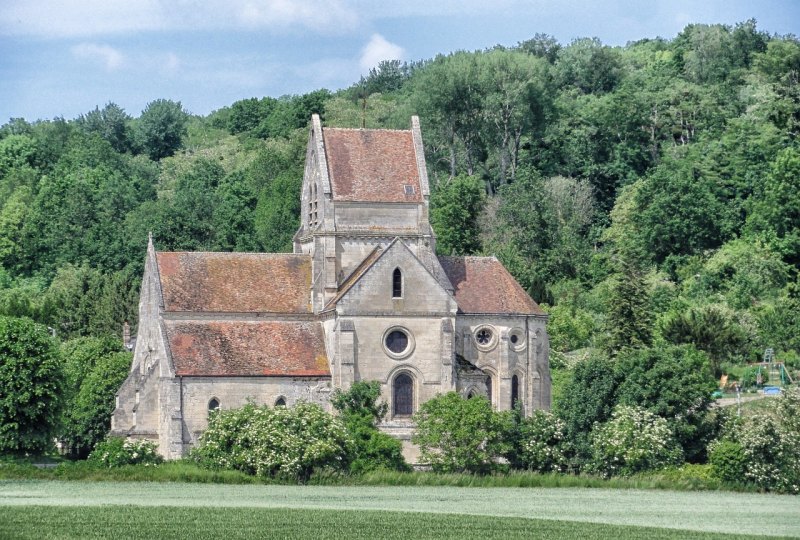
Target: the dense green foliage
(648, 194)
(460, 435)
(31, 383)
(360, 411)
(88, 412)
(283, 442)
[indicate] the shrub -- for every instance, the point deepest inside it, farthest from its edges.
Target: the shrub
(541, 444)
(728, 461)
(117, 451)
(460, 435)
(634, 440)
(360, 410)
(281, 442)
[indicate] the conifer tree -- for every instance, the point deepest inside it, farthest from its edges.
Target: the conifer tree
(628, 319)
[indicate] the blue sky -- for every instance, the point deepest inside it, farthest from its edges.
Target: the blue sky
(64, 57)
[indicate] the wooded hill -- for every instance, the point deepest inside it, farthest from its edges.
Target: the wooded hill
(646, 193)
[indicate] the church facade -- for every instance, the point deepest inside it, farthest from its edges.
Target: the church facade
(363, 297)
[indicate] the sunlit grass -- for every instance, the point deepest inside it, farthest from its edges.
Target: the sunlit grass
(43, 522)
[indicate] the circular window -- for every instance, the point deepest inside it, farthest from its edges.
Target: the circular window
(485, 338)
(517, 339)
(398, 342)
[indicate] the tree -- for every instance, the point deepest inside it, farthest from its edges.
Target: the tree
(675, 383)
(678, 211)
(31, 382)
(455, 434)
(628, 316)
(776, 212)
(455, 206)
(589, 66)
(588, 399)
(360, 410)
(708, 328)
(111, 123)
(88, 417)
(162, 127)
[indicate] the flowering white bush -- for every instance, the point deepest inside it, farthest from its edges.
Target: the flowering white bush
(543, 445)
(282, 442)
(770, 445)
(116, 451)
(633, 440)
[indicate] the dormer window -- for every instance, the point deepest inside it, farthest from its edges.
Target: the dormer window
(397, 283)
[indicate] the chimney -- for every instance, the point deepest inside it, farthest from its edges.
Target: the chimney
(126, 335)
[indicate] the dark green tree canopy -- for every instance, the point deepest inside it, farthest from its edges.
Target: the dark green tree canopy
(31, 384)
(162, 128)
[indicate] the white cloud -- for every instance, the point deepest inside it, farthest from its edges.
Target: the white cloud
(379, 49)
(76, 18)
(81, 18)
(171, 63)
(108, 56)
(314, 14)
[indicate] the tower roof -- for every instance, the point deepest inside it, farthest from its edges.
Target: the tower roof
(372, 165)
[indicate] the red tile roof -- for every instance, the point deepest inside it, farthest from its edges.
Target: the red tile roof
(235, 282)
(235, 348)
(372, 165)
(483, 285)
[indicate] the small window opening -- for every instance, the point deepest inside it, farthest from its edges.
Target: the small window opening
(489, 388)
(213, 405)
(408, 189)
(397, 283)
(515, 392)
(514, 338)
(470, 395)
(281, 402)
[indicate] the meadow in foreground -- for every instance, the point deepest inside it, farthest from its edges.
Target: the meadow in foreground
(49, 509)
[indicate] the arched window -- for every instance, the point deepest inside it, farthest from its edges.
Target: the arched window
(470, 395)
(280, 402)
(403, 395)
(514, 391)
(489, 388)
(397, 283)
(213, 405)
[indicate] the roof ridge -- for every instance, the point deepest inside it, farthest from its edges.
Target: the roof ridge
(237, 253)
(368, 129)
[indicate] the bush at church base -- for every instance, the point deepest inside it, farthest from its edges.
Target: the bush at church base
(280, 442)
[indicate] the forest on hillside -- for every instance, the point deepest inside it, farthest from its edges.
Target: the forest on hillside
(644, 194)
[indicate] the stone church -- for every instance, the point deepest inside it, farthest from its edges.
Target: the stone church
(363, 297)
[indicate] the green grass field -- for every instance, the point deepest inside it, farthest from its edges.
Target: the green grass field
(53, 509)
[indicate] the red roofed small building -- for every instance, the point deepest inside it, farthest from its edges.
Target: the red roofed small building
(363, 297)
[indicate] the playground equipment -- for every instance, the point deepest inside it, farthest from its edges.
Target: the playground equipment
(775, 370)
